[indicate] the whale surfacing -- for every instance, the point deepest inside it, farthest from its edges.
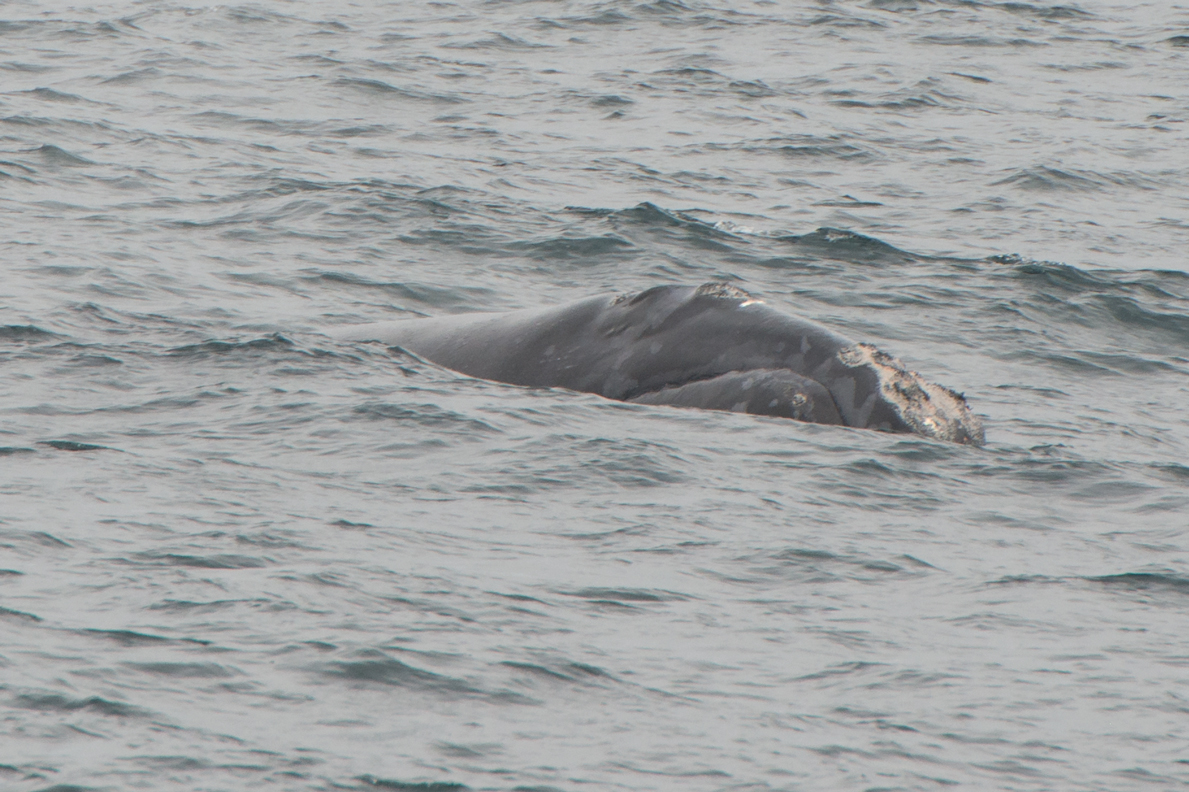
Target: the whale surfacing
(712, 346)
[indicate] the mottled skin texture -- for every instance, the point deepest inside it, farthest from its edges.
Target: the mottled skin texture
(711, 346)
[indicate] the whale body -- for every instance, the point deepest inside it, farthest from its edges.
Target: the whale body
(712, 346)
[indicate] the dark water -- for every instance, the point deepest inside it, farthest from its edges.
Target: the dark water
(236, 554)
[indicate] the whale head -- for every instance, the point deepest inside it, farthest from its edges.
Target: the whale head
(905, 402)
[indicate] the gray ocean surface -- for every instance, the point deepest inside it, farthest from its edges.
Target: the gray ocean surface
(237, 554)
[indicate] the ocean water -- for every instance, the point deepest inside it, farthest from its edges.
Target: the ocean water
(238, 554)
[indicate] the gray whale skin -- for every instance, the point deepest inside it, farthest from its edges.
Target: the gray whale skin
(713, 346)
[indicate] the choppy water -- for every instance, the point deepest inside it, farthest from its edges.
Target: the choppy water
(237, 554)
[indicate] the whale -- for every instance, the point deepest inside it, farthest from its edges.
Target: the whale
(713, 347)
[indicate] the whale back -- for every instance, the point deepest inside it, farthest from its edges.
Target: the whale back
(626, 346)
